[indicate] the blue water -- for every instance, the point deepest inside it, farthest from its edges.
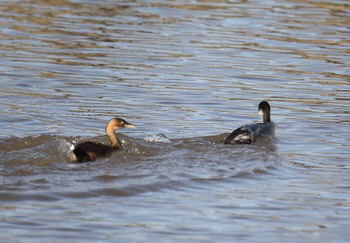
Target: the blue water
(192, 72)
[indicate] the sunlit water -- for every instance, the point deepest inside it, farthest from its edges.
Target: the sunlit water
(185, 73)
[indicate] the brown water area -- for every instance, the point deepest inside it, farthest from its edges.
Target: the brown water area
(186, 73)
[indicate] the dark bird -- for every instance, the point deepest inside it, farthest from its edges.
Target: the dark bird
(248, 133)
(88, 151)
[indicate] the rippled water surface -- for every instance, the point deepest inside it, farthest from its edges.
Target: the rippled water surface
(186, 73)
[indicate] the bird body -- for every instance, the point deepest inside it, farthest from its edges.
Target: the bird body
(88, 151)
(248, 133)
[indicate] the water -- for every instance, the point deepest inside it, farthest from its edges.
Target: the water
(185, 73)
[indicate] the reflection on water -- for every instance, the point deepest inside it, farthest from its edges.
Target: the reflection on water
(193, 72)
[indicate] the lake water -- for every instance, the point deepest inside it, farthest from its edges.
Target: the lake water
(186, 73)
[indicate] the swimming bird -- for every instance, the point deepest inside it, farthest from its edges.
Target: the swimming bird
(88, 151)
(248, 133)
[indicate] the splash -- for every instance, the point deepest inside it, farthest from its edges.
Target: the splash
(159, 138)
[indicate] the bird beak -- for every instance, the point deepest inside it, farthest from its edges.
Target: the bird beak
(129, 126)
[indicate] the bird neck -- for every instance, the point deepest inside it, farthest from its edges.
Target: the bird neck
(266, 117)
(113, 138)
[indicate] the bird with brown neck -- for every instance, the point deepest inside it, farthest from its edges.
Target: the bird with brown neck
(88, 151)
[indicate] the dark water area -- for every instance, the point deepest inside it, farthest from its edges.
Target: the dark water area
(186, 73)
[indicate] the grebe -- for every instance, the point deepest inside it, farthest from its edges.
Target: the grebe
(88, 151)
(249, 133)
